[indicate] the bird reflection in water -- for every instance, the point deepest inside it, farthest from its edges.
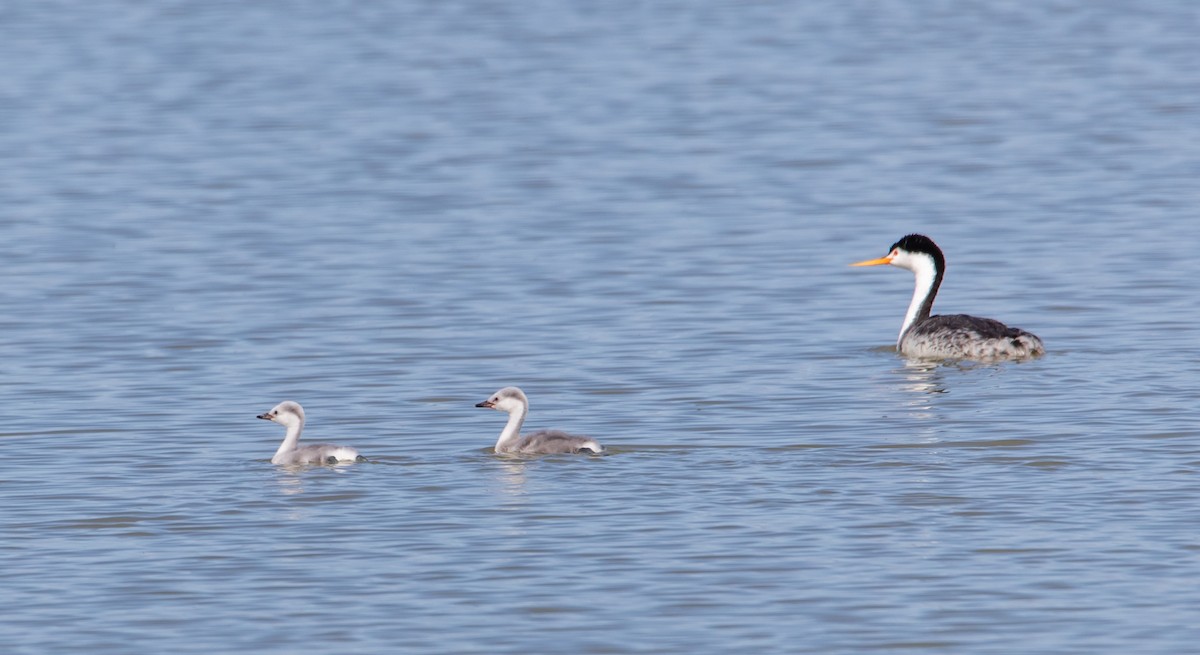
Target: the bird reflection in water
(923, 381)
(290, 484)
(512, 478)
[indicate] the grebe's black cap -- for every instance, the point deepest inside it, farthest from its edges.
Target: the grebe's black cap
(915, 243)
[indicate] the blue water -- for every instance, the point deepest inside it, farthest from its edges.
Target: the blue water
(642, 214)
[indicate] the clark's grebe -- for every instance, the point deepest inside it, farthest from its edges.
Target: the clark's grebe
(954, 336)
(545, 442)
(290, 415)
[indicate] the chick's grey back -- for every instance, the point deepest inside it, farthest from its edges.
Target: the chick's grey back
(555, 442)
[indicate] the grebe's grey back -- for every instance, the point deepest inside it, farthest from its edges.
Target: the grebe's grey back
(953, 336)
(545, 442)
(290, 415)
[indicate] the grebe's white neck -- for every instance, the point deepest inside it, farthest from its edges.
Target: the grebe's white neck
(290, 415)
(513, 401)
(290, 441)
(928, 279)
(512, 430)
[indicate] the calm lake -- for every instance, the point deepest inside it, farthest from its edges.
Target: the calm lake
(642, 213)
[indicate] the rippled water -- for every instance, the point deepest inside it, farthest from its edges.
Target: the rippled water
(642, 214)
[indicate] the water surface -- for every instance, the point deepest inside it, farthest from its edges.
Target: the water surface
(642, 214)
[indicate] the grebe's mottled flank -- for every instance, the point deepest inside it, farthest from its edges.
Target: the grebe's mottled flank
(545, 442)
(291, 416)
(954, 336)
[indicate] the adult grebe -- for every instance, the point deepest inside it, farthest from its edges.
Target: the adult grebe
(954, 336)
(544, 442)
(291, 416)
